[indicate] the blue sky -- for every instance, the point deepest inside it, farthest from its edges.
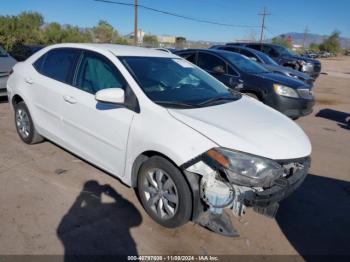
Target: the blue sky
(321, 16)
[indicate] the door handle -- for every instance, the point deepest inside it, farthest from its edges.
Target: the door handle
(69, 99)
(28, 80)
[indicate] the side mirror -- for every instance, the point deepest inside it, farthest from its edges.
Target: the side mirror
(111, 95)
(219, 70)
(236, 83)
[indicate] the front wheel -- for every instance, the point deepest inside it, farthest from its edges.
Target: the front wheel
(25, 126)
(164, 192)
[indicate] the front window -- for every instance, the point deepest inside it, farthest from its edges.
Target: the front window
(244, 64)
(174, 82)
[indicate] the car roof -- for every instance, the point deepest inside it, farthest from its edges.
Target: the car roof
(216, 51)
(117, 50)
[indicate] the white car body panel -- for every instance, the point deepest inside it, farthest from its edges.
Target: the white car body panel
(112, 138)
(249, 126)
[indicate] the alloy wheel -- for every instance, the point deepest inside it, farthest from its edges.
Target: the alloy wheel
(22, 122)
(160, 193)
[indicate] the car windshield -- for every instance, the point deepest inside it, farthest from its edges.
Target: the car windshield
(245, 64)
(267, 60)
(175, 82)
(284, 51)
(3, 52)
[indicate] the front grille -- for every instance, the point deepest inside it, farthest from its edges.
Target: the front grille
(317, 67)
(305, 93)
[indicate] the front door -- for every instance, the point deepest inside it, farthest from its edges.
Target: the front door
(98, 132)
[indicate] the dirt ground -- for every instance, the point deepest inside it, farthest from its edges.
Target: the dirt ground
(54, 203)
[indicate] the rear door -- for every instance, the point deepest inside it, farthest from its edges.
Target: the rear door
(97, 131)
(54, 73)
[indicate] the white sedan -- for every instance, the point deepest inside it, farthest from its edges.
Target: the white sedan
(192, 147)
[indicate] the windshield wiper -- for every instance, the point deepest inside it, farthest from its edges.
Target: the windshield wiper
(217, 99)
(175, 104)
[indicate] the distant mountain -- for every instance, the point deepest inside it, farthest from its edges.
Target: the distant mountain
(298, 39)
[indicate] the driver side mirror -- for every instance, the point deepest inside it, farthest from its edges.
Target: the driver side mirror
(111, 95)
(219, 70)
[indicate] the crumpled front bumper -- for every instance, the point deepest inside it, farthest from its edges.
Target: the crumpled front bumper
(281, 189)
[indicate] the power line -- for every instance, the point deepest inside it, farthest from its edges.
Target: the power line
(263, 14)
(176, 15)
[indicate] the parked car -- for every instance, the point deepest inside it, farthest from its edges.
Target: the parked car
(324, 54)
(190, 146)
(22, 52)
(285, 57)
(267, 62)
(310, 54)
(6, 64)
(290, 96)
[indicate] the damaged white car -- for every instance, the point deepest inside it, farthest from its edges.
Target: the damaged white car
(194, 149)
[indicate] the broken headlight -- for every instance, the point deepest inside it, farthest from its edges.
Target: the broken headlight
(245, 169)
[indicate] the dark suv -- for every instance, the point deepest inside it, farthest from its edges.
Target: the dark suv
(267, 62)
(290, 96)
(286, 57)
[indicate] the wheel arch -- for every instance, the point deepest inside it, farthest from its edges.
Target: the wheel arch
(141, 158)
(16, 99)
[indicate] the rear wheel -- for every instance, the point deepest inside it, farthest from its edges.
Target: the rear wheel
(24, 125)
(164, 192)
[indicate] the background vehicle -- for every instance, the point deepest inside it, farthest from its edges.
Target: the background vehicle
(267, 62)
(290, 96)
(285, 57)
(22, 52)
(190, 145)
(6, 64)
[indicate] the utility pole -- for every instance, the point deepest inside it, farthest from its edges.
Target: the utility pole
(263, 14)
(135, 24)
(305, 35)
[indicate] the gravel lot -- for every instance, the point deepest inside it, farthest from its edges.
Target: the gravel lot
(51, 202)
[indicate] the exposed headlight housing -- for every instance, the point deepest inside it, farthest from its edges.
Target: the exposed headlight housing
(285, 91)
(245, 169)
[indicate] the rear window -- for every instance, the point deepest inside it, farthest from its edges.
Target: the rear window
(58, 64)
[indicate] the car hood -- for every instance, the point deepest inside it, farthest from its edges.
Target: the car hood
(289, 70)
(281, 79)
(6, 64)
(306, 59)
(249, 126)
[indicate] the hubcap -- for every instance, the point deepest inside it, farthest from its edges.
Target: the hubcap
(160, 193)
(22, 122)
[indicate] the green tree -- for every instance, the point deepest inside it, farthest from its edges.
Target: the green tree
(314, 47)
(53, 33)
(104, 33)
(22, 29)
(332, 43)
(150, 40)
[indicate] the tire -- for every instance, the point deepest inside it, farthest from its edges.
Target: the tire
(24, 125)
(252, 95)
(174, 205)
